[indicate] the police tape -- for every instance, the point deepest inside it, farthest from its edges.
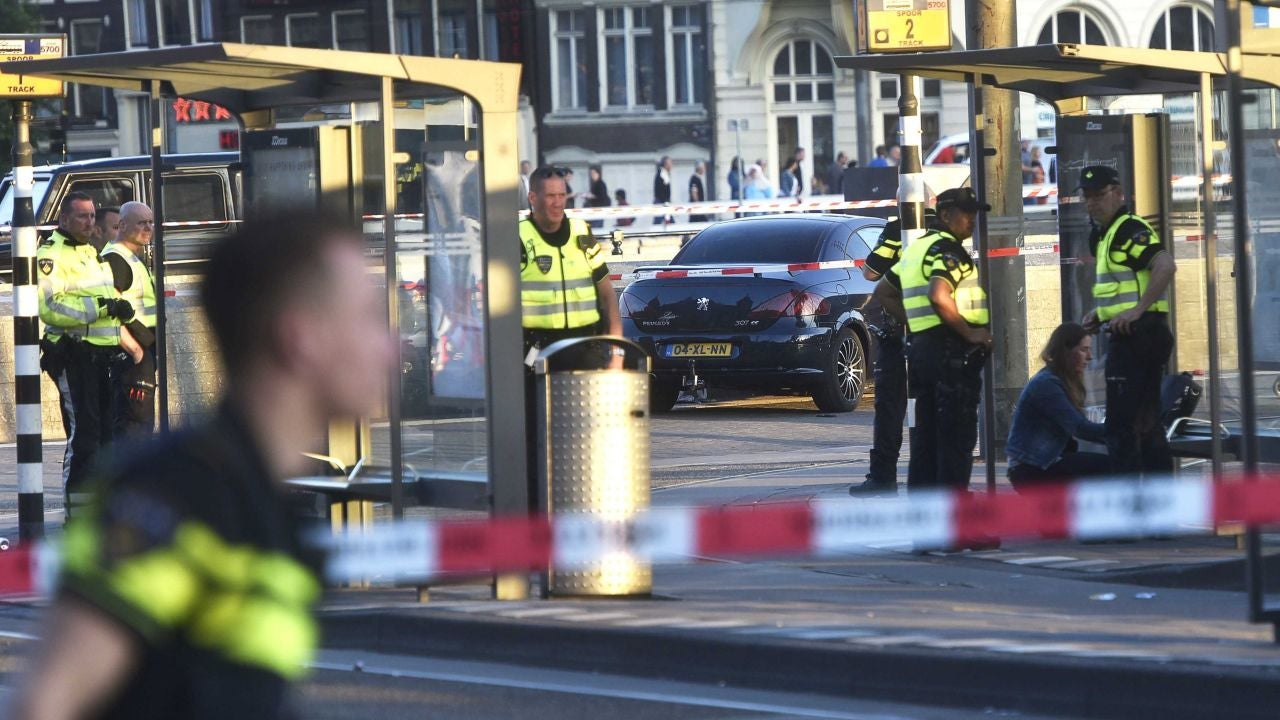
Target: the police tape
(418, 550)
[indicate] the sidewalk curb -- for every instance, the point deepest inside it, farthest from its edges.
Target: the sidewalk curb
(1094, 688)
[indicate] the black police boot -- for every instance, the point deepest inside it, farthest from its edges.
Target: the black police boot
(874, 488)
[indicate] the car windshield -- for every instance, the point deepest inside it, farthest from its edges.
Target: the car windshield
(782, 240)
(6, 199)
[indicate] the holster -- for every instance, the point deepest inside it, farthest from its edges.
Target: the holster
(53, 355)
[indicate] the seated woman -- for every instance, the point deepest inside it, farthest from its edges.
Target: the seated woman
(1049, 416)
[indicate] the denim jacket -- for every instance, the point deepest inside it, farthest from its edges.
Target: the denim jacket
(1045, 421)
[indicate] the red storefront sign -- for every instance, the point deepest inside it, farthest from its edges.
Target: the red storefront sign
(191, 111)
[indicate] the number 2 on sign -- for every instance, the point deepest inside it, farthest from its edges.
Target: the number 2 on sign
(911, 29)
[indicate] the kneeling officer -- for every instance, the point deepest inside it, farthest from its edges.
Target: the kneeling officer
(945, 311)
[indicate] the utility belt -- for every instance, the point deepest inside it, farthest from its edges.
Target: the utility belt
(56, 352)
(954, 351)
(1150, 320)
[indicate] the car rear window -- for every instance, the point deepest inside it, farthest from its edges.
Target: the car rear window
(761, 241)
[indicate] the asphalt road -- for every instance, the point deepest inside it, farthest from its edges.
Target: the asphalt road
(347, 684)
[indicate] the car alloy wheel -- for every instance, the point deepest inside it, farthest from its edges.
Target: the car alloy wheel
(842, 386)
(850, 369)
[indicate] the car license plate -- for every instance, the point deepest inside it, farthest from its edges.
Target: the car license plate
(684, 350)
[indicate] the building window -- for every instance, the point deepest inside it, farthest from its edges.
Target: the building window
(1184, 27)
(451, 29)
(174, 23)
(90, 100)
(490, 47)
(258, 30)
(803, 72)
(206, 20)
(888, 87)
(351, 30)
(1072, 26)
(932, 88)
(304, 30)
(139, 34)
(408, 29)
(628, 56)
(688, 48)
(569, 61)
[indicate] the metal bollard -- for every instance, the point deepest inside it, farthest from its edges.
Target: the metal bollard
(593, 444)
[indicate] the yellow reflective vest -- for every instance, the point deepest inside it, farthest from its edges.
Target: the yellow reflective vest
(1117, 287)
(921, 262)
(557, 285)
(142, 293)
(72, 277)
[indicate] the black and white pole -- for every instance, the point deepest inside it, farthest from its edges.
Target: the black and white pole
(26, 335)
(911, 192)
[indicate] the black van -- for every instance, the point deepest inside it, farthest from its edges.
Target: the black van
(201, 194)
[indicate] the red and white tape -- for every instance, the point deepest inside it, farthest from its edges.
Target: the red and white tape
(925, 520)
(421, 549)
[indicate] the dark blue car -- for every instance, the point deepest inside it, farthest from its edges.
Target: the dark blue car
(777, 330)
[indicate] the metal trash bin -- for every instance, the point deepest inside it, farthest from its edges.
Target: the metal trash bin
(593, 448)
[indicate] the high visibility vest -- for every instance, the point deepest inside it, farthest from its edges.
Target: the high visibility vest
(557, 285)
(1117, 288)
(914, 270)
(71, 278)
(142, 293)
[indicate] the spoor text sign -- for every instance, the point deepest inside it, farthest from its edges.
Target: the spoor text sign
(907, 25)
(29, 47)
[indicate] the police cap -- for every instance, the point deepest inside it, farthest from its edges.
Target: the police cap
(961, 198)
(1097, 177)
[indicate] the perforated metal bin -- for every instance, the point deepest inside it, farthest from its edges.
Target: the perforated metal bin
(593, 442)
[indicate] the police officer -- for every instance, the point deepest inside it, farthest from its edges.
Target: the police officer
(82, 313)
(945, 311)
(135, 375)
(565, 290)
(1132, 277)
(186, 587)
(890, 370)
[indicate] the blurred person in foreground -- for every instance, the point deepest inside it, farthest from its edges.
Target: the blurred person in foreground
(1049, 416)
(186, 591)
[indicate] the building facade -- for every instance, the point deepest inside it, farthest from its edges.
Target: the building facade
(618, 83)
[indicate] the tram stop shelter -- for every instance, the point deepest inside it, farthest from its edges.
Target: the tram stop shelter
(423, 151)
(1234, 334)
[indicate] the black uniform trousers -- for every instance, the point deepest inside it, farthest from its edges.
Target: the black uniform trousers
(82, 373)
(135, 396)
(890, 409)
(1135, 366)
(946, 379)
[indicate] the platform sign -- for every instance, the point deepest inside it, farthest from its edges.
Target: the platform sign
(893, 26)
(30, 47)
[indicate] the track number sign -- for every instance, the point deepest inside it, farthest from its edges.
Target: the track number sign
(29, 47)
(891, 26)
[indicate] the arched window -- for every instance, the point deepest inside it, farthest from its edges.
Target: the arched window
(1072, 26)
(803, 72)
(1184, 27)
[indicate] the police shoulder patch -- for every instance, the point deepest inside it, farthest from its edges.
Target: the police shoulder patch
(588, 241)
(45, 265)
(134, 523)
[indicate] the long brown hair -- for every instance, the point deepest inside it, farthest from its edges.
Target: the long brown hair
(1057, 357)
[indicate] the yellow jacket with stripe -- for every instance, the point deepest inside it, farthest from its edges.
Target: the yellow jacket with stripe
(1124, 250)
(558, 282)
(939, 255)
(191, 548)
(72, 277)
